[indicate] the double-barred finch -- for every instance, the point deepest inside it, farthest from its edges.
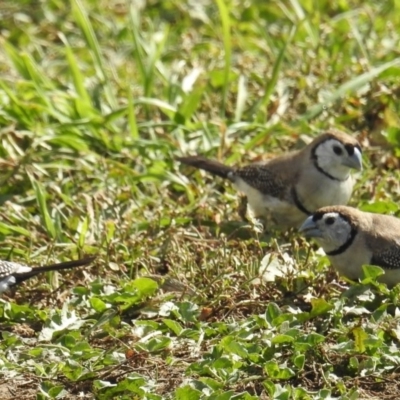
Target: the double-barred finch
(352, 238)
(12, 273)
(292, 186)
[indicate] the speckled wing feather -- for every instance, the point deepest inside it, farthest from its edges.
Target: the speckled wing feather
(8, 268)
(384, 238)
(388, 255)
(263, 178)
(389, 259)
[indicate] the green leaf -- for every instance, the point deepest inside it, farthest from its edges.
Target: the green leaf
(273, 312)
(173, 326)
(187, 393)
(158, 344)
(324, 394)
(16, 312)
(231, 345)
(315, 338)
(188, 311)
(354, 363)
(145, 286)
(371, 273)
(278, 339)
(50, 390)
(276, 371)
(270, 387)
(380, 207)
(211, 383)
(133, 385)
(359, 339)
(320, 307)
(299, 361)
(97, 304)
(73, 370)
(69, 340)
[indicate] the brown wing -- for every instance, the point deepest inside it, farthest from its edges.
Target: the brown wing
(262, 178)
(275, 177)
(384, 239)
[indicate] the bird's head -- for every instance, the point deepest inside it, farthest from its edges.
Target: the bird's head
(330, 227)
(336, 153)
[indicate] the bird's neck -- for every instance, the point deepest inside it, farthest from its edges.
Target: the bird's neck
(334, 249)
(335, 172)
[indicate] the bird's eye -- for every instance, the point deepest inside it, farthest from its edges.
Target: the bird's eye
(350, 149)
(337, 150)
(329, 221)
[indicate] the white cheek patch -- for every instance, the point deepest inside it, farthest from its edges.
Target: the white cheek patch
(330, 162)
(336, 234)
(326, 154)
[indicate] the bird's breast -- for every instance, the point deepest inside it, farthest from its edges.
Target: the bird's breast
(315, 193)
(350, 262)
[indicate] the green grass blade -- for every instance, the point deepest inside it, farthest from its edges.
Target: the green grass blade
(190, 104)
(86, 27)
(7, 229)
(47, 221)
(226, 35)
(140, 55)
(350, 86)
(271, 83)
(76, 75)
(36, 76)
(132, 117)
(167, 108)
(16, 106)
(147, 55)
(305, 20)
(83, 229)
(15, 56)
